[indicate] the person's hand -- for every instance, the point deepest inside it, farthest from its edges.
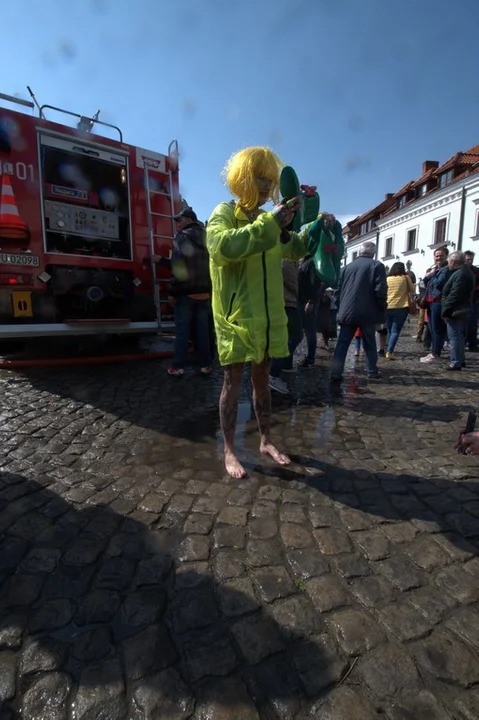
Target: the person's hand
(446, 320)
(284, 212)
(471, 443)
(308, 308)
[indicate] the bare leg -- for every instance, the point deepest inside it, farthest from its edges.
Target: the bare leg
(262, 408)
(228, 414)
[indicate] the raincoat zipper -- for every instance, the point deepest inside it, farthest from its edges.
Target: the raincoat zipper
(265, 288)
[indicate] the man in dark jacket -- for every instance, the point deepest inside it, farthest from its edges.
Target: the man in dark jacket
(471, 334)
(190, 291)
(456, 307)
(362, 304)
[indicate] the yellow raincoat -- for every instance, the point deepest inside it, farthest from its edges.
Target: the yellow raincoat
(248, 298)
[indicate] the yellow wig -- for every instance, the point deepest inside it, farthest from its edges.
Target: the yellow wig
(244, 167)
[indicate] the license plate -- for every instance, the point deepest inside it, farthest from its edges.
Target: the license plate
(24, 260)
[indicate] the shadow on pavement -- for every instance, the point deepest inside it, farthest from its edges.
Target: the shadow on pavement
(436, 505)
(95, 615)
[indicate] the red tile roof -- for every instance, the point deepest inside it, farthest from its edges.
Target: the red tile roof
(458, 160)
(404, 189)
(466, 162)
(424, 178)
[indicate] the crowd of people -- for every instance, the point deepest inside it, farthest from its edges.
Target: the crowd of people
(259, 283)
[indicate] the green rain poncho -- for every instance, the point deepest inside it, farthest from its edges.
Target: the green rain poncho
(248, 297)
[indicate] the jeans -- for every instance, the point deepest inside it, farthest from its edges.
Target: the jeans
(309, 327)
(295, 335)
(456, 337)
(472, 327)
(395, 323)
(437, 327)
(186, 310)
(346, 335)
(421, 324)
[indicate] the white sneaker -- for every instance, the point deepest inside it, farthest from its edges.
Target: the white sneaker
(429, 359)
(278, 385)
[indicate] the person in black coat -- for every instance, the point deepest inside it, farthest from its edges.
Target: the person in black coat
(309, 286)
(362, 299)
(456, 307)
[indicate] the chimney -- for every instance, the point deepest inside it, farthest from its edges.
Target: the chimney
(388, 196)
(429, 165)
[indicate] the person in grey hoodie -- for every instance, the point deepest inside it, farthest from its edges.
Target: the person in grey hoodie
(362, 297)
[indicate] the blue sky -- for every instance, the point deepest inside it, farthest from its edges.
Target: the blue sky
(354, 94)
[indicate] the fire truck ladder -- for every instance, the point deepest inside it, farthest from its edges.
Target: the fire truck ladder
(148, 166)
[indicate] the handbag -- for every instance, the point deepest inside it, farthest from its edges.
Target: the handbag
(412, 306)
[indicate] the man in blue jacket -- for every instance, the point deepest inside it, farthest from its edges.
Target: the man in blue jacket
(362, 298)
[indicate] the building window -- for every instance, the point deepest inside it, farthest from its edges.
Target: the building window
(446, 178)
(422, 190)
(364, 228)
(402, 201)
(411, 240)
(355, 255)
(440, 227)
(389, 247)
(370, 225)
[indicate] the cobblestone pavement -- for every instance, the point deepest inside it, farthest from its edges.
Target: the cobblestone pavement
(137, 581)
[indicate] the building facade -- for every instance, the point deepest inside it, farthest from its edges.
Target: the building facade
(440, 208)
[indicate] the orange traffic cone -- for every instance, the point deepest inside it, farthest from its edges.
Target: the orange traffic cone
(12, 227)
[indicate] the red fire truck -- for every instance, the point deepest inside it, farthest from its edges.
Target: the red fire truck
(84, 220)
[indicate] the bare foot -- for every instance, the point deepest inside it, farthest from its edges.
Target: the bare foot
(272, 451)
(233, 466)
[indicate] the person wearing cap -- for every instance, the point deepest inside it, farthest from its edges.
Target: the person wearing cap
(190, 292)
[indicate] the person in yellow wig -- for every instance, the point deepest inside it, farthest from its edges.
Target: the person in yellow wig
(246, 247)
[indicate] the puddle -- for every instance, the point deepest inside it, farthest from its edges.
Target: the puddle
(325, 426)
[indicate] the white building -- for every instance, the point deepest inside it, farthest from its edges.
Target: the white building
(440, 208)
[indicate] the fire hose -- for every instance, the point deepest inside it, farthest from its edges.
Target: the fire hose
(93, 360)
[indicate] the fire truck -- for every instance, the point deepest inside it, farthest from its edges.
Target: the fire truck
(85, 222)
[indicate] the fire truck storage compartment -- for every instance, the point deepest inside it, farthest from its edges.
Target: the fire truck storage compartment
(85, 198)
(82, 293)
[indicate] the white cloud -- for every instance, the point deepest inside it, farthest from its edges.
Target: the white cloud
(345, 218)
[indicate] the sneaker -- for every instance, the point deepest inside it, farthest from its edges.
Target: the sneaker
(206, 370)
(454, 367)
(288, 370)
(374, 375)
(389, 356)
(176, 371)
(381, 353)
(428, 359)
(306, 364)
(278, 385)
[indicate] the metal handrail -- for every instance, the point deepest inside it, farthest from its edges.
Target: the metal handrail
(18, 101)
(81, 117)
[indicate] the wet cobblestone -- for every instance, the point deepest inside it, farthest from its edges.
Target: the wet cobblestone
(138, 582)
